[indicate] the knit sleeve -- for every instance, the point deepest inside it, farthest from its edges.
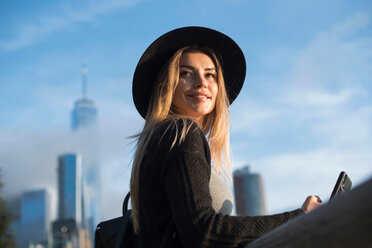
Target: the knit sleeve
(186, 182)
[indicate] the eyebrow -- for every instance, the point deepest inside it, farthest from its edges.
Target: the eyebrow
(192, 68)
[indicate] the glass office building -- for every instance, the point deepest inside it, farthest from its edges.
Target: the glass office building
(70, 192)
(249, 192)
(35, 218)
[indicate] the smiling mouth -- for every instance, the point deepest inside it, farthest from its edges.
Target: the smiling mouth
(200, 97)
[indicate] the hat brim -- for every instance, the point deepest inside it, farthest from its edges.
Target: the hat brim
(162, 49)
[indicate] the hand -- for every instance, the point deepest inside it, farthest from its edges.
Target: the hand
(311, 203)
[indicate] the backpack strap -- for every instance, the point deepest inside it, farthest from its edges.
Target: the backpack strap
(125, 203)
(124, 224)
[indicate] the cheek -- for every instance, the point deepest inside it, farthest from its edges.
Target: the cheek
(214, 90)
(181, 88)
(178, 95)
(179, 91)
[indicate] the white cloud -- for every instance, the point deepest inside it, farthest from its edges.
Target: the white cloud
(33, 31)
(250, 117)
(350, 128)
(349, 27)
(335, 58)
(319, 98)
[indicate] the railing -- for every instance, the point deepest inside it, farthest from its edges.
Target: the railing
(343, 222)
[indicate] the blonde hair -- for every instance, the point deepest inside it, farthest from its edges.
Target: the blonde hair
(215, 124)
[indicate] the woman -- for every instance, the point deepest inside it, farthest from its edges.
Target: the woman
(182, 86)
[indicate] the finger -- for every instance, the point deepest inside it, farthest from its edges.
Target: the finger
(319, 200)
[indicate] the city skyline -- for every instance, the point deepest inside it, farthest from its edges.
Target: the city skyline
(304, 113)
(78, 203)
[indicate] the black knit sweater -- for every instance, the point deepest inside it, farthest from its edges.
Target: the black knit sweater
(175, 206)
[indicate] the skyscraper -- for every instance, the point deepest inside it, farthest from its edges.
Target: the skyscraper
(35, 216)
(84, 118)
(249, 193)
(84, 113)
(70, 196)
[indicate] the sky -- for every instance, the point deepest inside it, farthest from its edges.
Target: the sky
(304, 113)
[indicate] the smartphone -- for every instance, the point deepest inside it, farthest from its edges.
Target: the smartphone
(343, 184)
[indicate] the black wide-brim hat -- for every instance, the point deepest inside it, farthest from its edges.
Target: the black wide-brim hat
(162, 49)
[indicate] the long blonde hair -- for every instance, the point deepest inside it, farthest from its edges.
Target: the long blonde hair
(215, 124)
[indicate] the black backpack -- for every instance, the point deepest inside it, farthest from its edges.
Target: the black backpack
(118, 232)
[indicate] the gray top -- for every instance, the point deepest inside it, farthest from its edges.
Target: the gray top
(222, 197)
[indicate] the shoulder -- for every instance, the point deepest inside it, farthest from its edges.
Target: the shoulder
(175, 125)
(170, 144)
(179, 134)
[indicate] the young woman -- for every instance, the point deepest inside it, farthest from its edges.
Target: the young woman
(183, 86)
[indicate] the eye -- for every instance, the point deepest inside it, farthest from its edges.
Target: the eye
(185, 73)
(210, 75)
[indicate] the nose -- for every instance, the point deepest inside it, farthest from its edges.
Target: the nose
(200, 81)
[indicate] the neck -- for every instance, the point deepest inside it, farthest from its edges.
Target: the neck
(199, 122)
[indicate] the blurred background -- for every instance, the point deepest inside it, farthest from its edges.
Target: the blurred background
(304, 113)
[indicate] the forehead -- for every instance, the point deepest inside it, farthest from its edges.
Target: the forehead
(196, 59)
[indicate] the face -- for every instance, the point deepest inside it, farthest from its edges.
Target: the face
(197, 87)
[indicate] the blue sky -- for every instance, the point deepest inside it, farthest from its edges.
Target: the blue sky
(304, 114)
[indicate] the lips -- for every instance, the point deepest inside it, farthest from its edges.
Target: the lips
(200, 96)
